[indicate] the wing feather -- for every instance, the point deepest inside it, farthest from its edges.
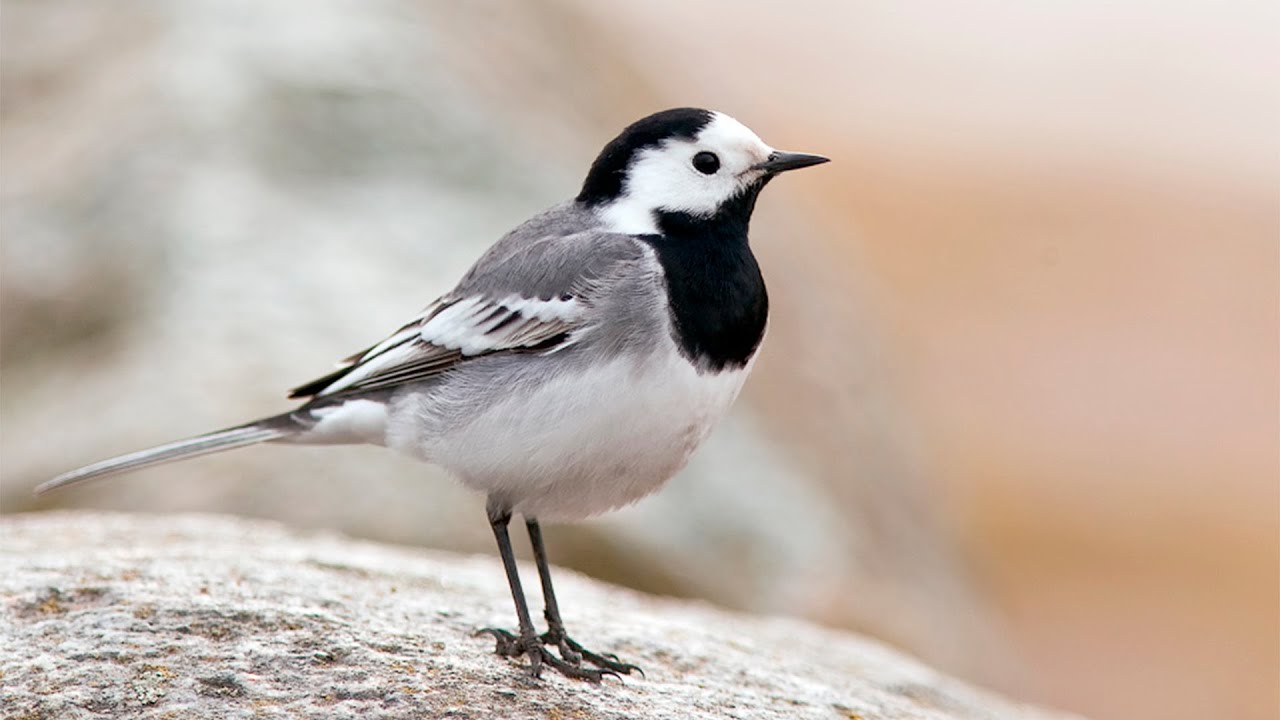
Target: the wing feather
(454, 330)
(533, 291)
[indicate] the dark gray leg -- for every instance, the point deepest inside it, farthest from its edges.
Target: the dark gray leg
(551, 608)
(570, 650)
(510, 645)
(527, 642)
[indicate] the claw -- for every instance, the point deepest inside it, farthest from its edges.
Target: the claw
(574, 671)
(508, 645)
(570, 655)
(569, 663)
(609, 661)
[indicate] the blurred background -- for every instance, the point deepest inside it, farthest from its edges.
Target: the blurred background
(1018, 409)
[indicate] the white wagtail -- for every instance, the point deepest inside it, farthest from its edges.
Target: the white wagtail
(579, 362)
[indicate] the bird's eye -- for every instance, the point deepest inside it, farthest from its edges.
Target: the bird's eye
(706, 163)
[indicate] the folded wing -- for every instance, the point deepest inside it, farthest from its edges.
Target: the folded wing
(450, 331)
(532, 295)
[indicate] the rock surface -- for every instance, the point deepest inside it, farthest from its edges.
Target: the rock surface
(114, 615)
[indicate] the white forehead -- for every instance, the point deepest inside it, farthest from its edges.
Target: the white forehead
(730, 136)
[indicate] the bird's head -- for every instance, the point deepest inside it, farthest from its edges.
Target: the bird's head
(684, 161)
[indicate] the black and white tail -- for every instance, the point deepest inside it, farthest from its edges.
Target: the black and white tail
(251, 434)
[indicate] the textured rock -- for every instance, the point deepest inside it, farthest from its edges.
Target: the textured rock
(109, 615)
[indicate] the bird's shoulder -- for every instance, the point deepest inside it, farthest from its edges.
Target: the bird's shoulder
(535, 290)
(550, 254)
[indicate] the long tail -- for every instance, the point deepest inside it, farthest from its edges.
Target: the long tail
(250, 434)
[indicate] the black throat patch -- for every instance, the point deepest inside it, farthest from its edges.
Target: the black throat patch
(719, 306)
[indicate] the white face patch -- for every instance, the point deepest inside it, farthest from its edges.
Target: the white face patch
(664, 178)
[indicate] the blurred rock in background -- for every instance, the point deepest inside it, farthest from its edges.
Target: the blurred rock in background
(1017, 411)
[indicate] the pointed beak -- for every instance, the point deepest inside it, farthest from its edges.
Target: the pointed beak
(783, 161)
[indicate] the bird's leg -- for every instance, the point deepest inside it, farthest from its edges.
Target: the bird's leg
(570, 650)
(551, 609)
(510, 645)
(527, 641)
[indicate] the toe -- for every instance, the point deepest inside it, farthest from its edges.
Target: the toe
(505, 643)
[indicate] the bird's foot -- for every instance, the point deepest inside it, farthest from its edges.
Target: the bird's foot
(533, 646)
(574, 653)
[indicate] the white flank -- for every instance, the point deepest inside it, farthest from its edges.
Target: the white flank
(354, 421)
(577, 444)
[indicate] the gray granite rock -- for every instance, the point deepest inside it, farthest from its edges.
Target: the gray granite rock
(197, 616)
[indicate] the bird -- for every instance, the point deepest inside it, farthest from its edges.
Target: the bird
(575, 367)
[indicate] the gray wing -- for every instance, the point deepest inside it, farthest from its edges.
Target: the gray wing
(536, 290)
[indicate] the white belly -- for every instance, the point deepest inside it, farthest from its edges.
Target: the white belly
(583, 443)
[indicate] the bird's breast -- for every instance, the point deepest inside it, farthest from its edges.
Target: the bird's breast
(590, 438)
(715, 293)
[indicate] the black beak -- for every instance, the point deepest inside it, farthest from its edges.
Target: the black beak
(782, 161)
